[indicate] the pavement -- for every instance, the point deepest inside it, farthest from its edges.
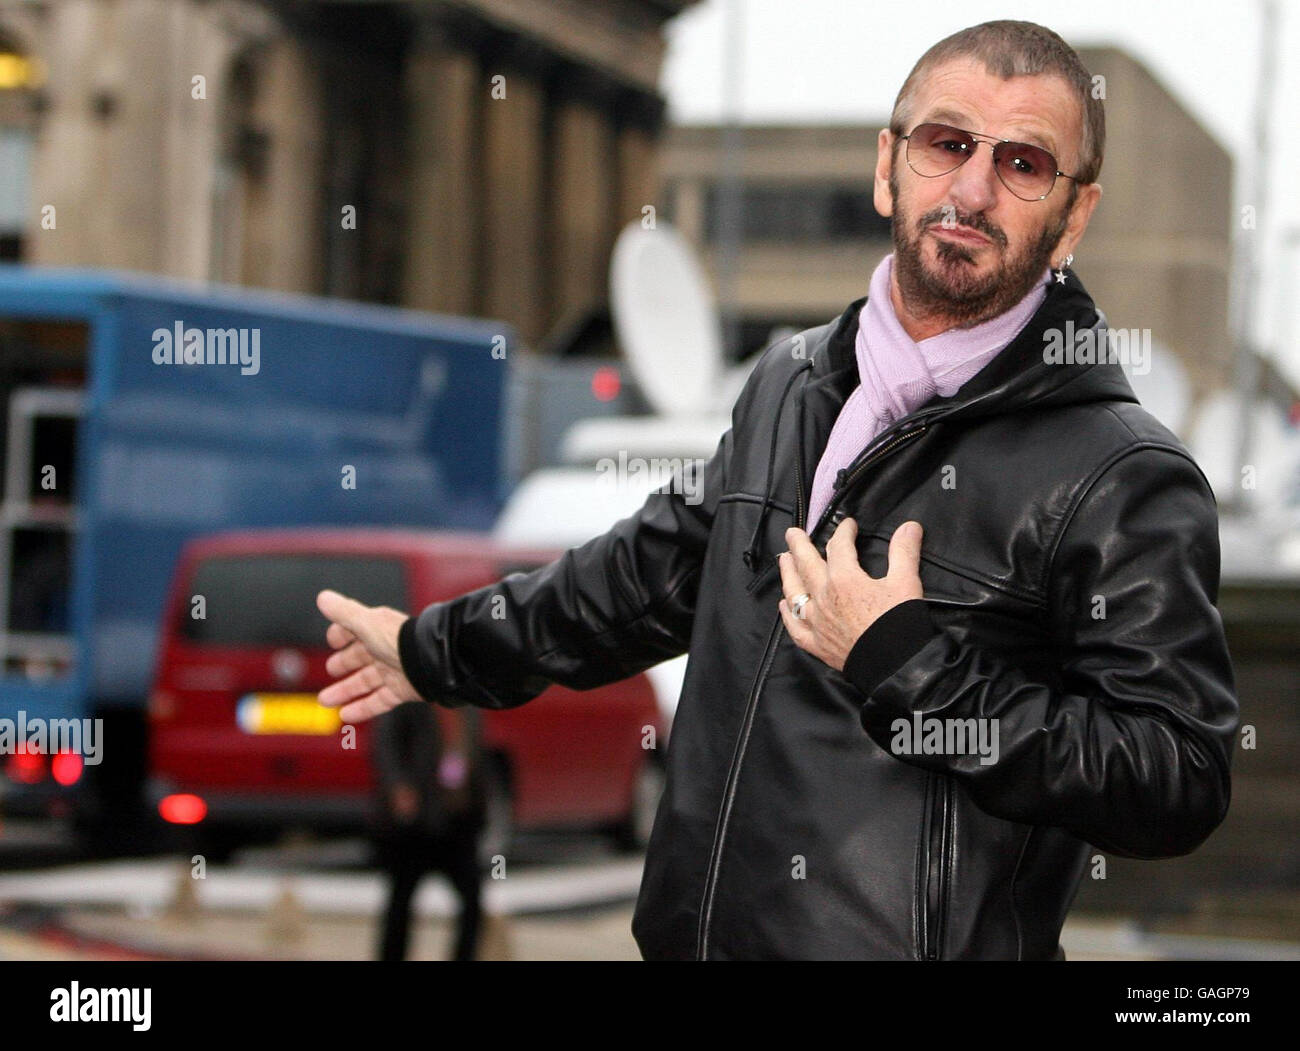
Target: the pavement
(561, 898)
(155, 909)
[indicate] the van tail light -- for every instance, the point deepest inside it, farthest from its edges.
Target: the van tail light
(162, 705)
(66, 768)
(24, 767)
(605, 383)
(182, 809)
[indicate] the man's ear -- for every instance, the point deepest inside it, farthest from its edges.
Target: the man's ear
(1080, 213)
(884, 167)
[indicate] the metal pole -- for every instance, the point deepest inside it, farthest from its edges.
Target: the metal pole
(1249, 249)
(730, 185)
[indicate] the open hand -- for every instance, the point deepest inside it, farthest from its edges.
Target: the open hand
(365, 640)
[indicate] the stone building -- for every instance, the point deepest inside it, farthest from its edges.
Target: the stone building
(461, 156)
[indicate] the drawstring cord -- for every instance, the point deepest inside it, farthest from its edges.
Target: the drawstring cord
(751, 554)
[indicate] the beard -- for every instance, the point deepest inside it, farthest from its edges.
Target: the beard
(954, 290)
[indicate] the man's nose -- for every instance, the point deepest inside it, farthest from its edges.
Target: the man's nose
(975, 183)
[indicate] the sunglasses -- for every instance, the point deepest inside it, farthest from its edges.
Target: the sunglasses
(1029, 172)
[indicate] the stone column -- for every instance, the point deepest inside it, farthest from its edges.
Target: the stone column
(513, 174)
(446, 93)
(283, 239)
(100, 142)
(638, 178)
(583, 177)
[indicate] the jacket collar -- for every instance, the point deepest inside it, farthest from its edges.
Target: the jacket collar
(1017, 377)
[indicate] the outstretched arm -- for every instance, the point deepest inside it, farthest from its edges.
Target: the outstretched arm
(612, 607)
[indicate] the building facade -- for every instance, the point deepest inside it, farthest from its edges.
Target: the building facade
(461, 156)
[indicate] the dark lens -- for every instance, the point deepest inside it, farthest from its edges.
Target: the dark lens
(936, 149)
(1025, 170)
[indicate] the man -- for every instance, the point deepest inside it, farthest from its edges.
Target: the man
(890, 746)
(430, 811)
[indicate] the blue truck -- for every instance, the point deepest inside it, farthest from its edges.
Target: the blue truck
(139, 412)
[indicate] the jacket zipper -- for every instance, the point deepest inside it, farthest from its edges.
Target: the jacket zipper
(934, 900)
(769, 652)
(832, 508)
(853, 472)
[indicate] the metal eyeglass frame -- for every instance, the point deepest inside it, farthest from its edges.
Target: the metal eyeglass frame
(993, 141)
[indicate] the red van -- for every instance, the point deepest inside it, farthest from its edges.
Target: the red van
(239, 743)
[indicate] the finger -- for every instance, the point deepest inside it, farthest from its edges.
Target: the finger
(791, 583)
(374, 703)
(338, 636)
(905, 551)
(842, 549)
(798, 629)
(812, 570)
(358, 684)
(350, 659)
(341, 609)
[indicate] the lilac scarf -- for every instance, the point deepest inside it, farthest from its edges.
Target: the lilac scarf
(898, 376)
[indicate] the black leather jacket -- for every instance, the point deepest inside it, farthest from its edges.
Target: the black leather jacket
(1070, 567)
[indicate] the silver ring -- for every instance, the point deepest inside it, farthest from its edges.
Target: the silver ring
(797, 604)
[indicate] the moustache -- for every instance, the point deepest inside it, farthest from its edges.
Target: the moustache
(947, 217)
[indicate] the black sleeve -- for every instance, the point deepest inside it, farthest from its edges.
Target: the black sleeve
(1132, 750)
(891, 641)
(601, 612)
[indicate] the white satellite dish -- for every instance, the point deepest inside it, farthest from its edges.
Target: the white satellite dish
(666, 320)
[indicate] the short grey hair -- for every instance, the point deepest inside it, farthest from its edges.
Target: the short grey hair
(1008, 48)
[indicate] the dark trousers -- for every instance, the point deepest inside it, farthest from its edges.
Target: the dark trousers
(455, 855)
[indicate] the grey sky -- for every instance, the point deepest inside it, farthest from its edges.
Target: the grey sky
(835, 61)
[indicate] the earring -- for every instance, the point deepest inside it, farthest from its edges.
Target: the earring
(1060, 270)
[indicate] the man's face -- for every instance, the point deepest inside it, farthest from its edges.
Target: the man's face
(965, 248)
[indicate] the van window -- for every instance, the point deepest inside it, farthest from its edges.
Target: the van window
(270, 600)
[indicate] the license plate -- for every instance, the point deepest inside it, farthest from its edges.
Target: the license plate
(285, 713)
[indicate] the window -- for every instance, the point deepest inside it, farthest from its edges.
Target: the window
(808, 213)
(270, 600)
(42, 371)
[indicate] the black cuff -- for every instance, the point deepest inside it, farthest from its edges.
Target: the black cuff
(894, 639)
(413, 666)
